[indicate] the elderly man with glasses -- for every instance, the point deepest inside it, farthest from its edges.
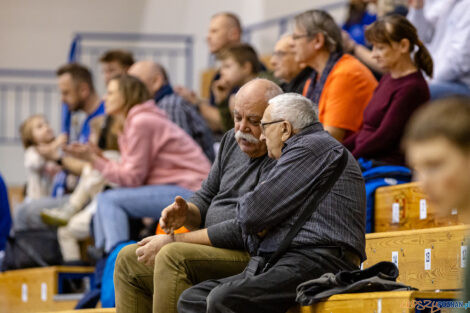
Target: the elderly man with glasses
(154, 272)
(340, 84)
(291, 73)
(316, 188)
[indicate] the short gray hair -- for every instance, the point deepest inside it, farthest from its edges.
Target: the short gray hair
(294, 108)
(318, 21)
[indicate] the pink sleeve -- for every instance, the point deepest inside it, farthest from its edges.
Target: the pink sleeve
(136, 158)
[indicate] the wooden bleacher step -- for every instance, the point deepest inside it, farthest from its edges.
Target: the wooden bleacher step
(42, 289)
(428, 259)
(99, 310)
(405, 206)
(382, 302)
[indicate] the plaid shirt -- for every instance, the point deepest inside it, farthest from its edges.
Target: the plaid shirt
(185, 116)
(307, 160)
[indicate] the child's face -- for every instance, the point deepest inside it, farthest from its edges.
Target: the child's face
(233, 73)
(41, 131)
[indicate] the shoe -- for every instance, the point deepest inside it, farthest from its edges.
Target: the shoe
(58, 216)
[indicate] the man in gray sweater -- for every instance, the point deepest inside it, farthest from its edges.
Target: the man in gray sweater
(154, 272)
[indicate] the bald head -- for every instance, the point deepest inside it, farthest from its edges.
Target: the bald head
(250, 102)
(224, 30)
(283, 59)
(150, 73)
(258, 91)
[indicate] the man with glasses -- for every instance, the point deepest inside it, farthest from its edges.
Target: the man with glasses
(340, 84)
(291, 73)
(190, 258)
(331, 239)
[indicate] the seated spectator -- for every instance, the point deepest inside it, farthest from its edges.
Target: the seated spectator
(331, 240)
(5, 218)
(239, 65)
(444, 27)
(357, 20)
(78, 93)
(114, 63)
(292, 74)
(361, 49)
(341, 86)
(154, 152)
(36, 133)
(240, 164)
(178, 110)
(437, 142)
(224, 30)
(400, 92)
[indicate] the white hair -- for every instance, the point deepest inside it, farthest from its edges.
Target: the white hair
(294, 108)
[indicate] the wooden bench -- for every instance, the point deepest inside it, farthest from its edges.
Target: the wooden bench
(428, 259)
(382, 302)
(40, 289)
(99, 310)
(405, 206)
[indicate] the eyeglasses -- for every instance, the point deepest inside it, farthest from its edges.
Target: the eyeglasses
(263, 125)
(296, 37)
(281, 54)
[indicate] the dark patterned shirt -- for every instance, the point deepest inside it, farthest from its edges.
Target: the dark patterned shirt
(307, 160)
(185, 116)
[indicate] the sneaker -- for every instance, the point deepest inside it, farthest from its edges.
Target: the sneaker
(58, 216)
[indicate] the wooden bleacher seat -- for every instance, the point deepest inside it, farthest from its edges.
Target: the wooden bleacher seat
(405, 206)
(40, 289)
(15, 196)
(428, 259)
(99, 310)
(380, 302)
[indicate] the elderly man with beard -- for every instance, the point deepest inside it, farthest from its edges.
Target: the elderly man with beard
(155, 271)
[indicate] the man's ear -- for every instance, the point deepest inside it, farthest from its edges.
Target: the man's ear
(318, 41)
(286, 131)
(83, 90)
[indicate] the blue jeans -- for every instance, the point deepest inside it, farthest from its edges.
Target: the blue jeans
(445, 89)
(110, 223)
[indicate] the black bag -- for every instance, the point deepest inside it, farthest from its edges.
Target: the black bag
(32, 248)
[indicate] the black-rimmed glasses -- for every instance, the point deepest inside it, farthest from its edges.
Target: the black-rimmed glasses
(263, 125)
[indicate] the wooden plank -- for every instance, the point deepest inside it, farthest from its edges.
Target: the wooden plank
(100, 310)
(384, 302)
(31, 290)
(206, 79)
(446, 246)
(405, 206)
(15, 196)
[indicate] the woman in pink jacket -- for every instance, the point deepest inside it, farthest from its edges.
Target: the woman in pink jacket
(159, 161)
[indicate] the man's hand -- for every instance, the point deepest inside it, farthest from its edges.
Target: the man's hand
(80, 151)
(150, 246)
(174, 216)
(188, 95)
(221, 89)
(348, 42)
(60, 141)
(48, 152)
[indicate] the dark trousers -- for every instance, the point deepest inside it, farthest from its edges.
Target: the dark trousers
(272, 291)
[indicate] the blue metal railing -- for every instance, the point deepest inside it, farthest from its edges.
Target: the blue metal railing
(22, 94)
